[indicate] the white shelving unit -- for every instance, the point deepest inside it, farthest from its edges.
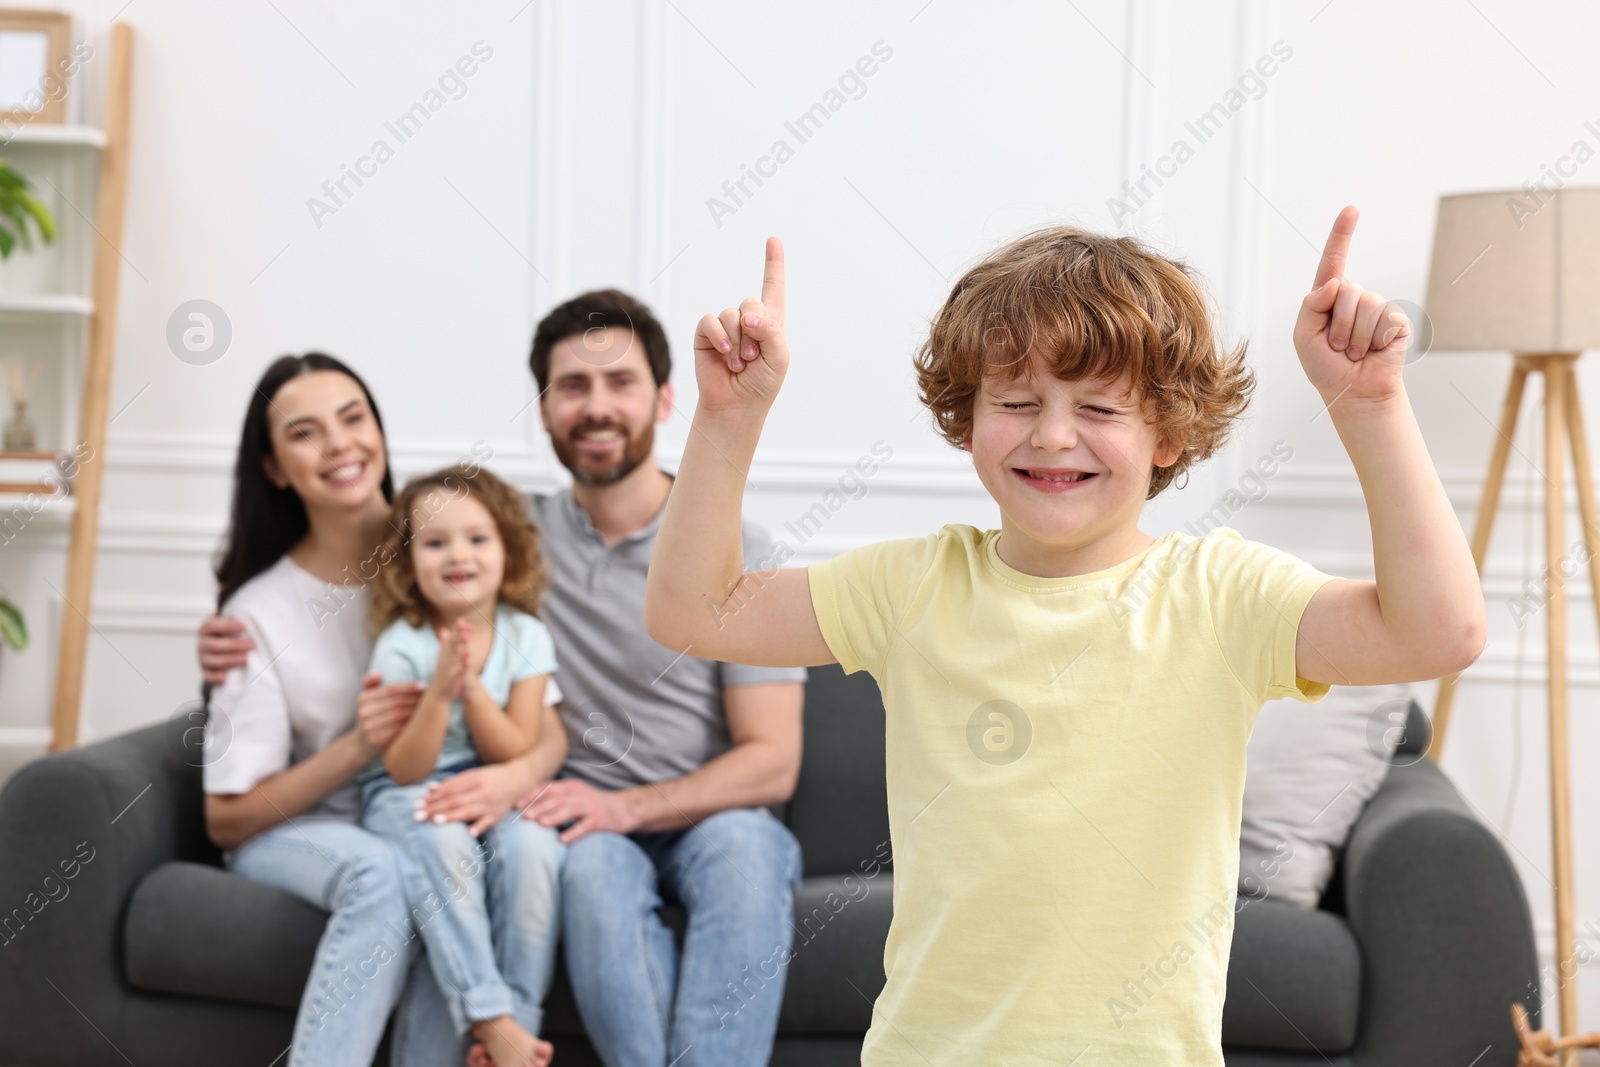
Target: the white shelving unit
(79, 136)
(58, 309)
(46, 304)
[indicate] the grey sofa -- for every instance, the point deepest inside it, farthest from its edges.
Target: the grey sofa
(150, 953)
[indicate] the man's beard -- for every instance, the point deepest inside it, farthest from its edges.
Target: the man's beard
(635, 450)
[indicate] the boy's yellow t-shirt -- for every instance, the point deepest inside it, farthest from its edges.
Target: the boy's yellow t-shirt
(1066, 758)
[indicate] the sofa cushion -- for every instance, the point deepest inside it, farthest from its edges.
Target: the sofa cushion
(1415, 738)
(1311, 771)
(202, 931)
(840, 809)
(1294, 979)
(205, 932)
(836, 970)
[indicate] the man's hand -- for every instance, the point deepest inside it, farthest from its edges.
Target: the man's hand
(741, 356)
(383, 710)
(568, 799)
(1351, 342)
(223, 646)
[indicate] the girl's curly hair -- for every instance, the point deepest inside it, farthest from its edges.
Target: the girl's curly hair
(394, 592)
(1091, 306)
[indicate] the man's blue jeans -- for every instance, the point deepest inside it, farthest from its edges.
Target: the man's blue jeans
(717, 1005)
(365, 950)
(487, 908)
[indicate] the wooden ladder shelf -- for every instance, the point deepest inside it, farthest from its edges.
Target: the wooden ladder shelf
(89, 483)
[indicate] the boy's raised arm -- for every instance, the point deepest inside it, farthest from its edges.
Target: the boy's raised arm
(697, 597)
(1424, 616)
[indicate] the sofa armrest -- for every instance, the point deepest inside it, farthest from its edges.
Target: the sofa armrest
(78, 830)
(1439, 911)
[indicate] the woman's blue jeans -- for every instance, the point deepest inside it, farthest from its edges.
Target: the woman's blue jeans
(367, 947)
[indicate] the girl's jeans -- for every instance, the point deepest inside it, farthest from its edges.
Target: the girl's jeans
(487, 907)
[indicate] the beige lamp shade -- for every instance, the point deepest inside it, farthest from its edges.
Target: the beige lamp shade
(1517, 271)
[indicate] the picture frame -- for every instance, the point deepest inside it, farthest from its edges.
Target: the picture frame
(34, 65)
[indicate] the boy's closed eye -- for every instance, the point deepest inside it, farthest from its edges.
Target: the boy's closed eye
(1014, 405)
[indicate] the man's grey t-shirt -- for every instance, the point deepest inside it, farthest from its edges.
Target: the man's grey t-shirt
(635, 711)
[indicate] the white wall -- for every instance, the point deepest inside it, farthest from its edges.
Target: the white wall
(584, 151)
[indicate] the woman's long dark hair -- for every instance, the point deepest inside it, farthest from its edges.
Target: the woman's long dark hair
(265, 521)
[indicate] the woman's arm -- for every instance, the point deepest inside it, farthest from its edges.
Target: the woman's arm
(501, 734)
(234, 818)
(382, 710)
(251, 781)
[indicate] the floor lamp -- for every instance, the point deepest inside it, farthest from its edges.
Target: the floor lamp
(1520, 272)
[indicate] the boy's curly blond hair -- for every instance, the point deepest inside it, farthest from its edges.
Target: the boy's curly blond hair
(1091, 306)
(394, 592)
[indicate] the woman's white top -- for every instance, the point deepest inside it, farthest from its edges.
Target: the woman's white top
(297, 692)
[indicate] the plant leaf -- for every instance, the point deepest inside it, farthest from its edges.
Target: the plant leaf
(13, 630)
(41, 215)
(12, 211)
(18, 205)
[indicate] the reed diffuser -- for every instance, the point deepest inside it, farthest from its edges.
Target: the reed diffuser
(20, 433)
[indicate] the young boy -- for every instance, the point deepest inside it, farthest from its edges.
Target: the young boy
(1068, 699)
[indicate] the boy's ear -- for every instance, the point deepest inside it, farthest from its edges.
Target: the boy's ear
(1167, 454)
(966, 442)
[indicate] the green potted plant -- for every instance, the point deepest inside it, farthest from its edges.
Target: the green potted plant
(19, 208)
(13, 631)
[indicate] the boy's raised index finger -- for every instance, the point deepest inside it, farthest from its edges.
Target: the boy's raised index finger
(1336, 253)
(772, 279)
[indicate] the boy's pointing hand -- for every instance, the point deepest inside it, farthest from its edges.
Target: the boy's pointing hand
(740, 356)
(1352, 343)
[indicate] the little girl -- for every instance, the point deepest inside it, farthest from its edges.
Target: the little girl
(460, 580)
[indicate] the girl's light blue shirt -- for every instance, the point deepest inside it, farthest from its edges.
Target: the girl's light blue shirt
(522, 648)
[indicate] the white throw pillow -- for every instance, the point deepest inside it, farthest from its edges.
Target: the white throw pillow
(1311, 770)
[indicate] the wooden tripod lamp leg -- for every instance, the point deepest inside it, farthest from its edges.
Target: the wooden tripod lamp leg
(1557, 376)
(1480, 534)
(1583, 474)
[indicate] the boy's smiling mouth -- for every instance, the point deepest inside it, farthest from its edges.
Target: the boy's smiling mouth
(1054, 480)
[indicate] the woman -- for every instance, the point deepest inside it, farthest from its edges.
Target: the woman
(289, 730)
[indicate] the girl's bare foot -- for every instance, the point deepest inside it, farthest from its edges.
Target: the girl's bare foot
(478, 1055)
(507, 1044)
